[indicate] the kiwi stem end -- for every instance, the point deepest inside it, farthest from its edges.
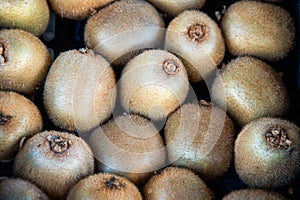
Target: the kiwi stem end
(4, 47)
(4, 119)
(113, 183)
(197, 32)
(170, 67)
(58, 144)
(277, 137)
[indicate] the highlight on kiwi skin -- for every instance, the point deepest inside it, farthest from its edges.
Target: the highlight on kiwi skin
(250, 89)
(123, 29)
(54, 161)
(87, 91)
(77, 10)
(160, 87)
(200, 137)
(15, 188)
(276, 161)
(268, 30)
(19, 118)
(128, 146)
(249, 193)
(24, 61)
(197, 40)
(106, 186)
(173, 8)
(174, 183)
(28, 15)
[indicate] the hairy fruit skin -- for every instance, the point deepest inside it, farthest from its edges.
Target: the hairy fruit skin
(262, 165)
(253, 194)
(55, 168)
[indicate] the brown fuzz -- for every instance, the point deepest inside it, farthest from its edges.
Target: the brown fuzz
(4, 119)
(171, 67)
(277, 137)
(114, 183)
(197, 32)
(58, 144)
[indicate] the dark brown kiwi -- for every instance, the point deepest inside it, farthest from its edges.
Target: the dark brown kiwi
(175, 7)
(268, 31)
(249, 89)
(77, 9)
(24, 61)
(253, 194)
(15, 188)
(79, 91)
(198, 41)
(29, 15)
(19, 117)
(267, 153)
(104, 186)
(175, 183)
(129, 146)
(200, 137)
(124, 27)
(54, 161)
(153, 84)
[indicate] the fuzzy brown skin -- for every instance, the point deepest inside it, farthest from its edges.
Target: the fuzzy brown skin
(142, 148)
(200, 137)
(268, 30)
(250, 89)
(175, 7)
(202, 50)
(19, 118)
(123, 27)
(80, 90)
(147, 88)
(29, 15)
(260, 164)
(176, 183)
(253, 194)
(24, 61)
(77, 9)
(52, 168)
(104, 186)
(14, 188)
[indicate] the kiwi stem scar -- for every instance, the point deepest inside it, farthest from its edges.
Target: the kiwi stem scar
(197, 32)
(277, 137)
(57, 143)
(4, 47)
(4, 119)
(113, 183)
(170, 67)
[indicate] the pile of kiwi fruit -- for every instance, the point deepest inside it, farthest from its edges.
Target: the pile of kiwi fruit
(149, 99)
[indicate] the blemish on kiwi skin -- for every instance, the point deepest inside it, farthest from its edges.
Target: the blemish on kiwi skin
(114, 183)
(58, 144)
(277, 137)
(4, 47)
(170, 67)
(4, 119)
(197, 32)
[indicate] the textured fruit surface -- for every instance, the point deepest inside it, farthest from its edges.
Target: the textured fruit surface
(253, 194)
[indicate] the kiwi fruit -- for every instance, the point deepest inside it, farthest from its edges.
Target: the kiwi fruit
(198, 41)
(29, 15)
(249, 89)
(24, 61)
(153, 84)
(19, 118)
(201, 138)
(76, 9)
(267, 153)
(19, 189)
(268, 30)
(129, 146)
(79, 91)
(175, 183)
(253, 194)
(173, 8)
(104, 186)
(120, 30)
(54, 161)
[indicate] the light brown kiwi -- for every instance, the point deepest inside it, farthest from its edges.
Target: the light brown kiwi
(201, 138)
(79, 91)
(198, 41)
(267, 153)
(29, 15)
(24, 61)
(268, 30)
(15, 188)
(253, 194)
(104, 186)
(129, 146)
(123, 28)
(175, 7)
(175, 183)
(249, 89)
(19, 117)
(153, 84)
(77, 9)
(54, 161)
